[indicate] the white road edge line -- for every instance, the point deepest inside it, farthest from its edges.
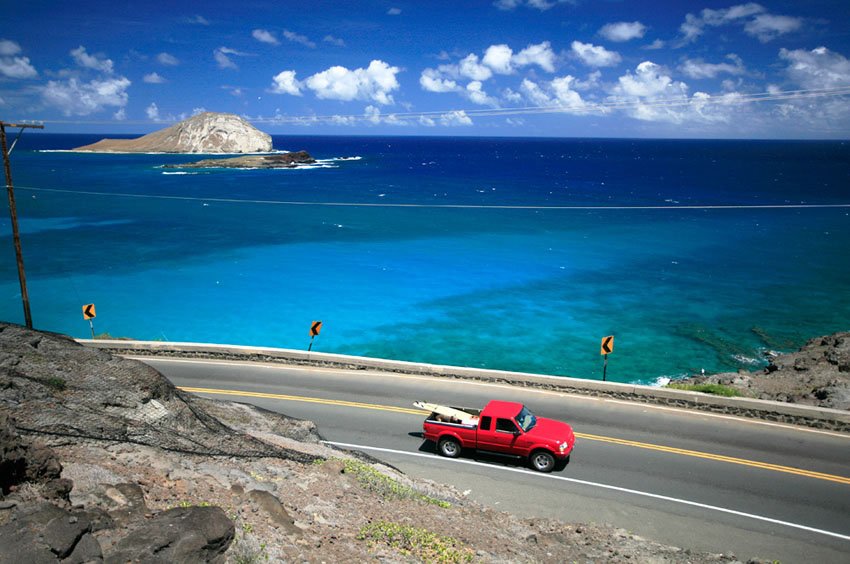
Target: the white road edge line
(493, 385)
(604, 486)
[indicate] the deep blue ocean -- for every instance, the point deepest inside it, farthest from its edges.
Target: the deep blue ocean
(515, 254)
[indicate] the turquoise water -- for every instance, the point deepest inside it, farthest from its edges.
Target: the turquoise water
(229, 256)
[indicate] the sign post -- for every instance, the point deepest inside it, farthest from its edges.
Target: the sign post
(89, 314)
(315, 329)
(606, 348)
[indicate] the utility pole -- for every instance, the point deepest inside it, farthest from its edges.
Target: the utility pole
(14, 213)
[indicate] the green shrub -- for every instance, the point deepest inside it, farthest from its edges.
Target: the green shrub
(55, 383)
(385, 486)
(716, 389)
(416, 542)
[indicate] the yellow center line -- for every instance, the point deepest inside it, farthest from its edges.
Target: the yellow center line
(585, 436)
(718, 457)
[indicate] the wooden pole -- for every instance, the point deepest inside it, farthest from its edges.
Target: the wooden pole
(19, 255)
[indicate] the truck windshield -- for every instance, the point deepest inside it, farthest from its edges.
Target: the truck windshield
(526, 419)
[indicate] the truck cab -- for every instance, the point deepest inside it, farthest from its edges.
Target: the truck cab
(502, 427)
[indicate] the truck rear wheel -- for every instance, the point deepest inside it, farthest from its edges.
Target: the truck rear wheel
(449, 447)
(542, 461)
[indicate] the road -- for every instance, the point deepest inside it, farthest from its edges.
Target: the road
(690, 479)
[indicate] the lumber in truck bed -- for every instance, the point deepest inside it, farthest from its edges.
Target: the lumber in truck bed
(450, 414)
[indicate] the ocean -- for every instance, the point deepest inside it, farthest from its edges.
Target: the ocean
(512, 254)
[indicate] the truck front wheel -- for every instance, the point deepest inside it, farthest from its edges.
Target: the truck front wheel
(449, 447)
(542, 461)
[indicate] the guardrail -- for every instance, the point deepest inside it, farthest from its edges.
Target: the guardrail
(816, 417)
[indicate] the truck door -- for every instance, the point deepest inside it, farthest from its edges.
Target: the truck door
(499, 439)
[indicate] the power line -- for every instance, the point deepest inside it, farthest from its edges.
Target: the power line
(438, 206)
(585, 108)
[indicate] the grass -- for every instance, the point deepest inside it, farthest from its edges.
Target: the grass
(55, 383)
(413, 541)
(715, 389)
(383, 485)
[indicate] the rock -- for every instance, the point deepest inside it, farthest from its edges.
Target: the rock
(13, 464)
(64, 532)
(43, 532)
(24, 462)
(817, 374)
(282, 160)
(87, 550)
(272, 506)
(182, 534)
(208, 132)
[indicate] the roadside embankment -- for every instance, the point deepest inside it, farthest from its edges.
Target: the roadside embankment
(810, 416)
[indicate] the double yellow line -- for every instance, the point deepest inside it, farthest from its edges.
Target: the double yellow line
(585, 436)
(718, 457)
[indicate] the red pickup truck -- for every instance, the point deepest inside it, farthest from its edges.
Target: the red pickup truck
(503, 427)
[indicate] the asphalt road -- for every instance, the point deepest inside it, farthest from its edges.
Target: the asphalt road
(689, 479)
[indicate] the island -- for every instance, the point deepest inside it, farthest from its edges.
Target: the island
(207, 132)
(278, 160)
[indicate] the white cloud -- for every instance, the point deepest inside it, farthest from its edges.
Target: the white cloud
(541, 5)
(17, 67)
(167, 59)
(511, 96)
(476, 95)
(298, 38)
(265, 36)
(697, 68)
(73, 97)
(755, 17)
(153, 78)
(343, 120)
(82, 58)
(221, 56)
(591, 82)
(394, 11)
(540, 54)
(9, 48)
(650, 94)
(595, 55)
(432, 81)
(469, 67)
(334, 40)
(199, 20)
(120, 115)
(558, 93)
(499, 59)
(152, 112)
(694, 26)
(818, 68)
(285, 83)
(456, 117)
(373, 83)
(373, 115)
(657, 44)
(767, 26)
(622, 31)
(426, 121)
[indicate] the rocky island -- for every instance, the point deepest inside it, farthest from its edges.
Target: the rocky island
(208, 132)
(279, 160)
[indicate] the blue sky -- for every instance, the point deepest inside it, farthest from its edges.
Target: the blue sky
(572, 68)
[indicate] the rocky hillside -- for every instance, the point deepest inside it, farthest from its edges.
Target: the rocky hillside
(208, 132)
(818, 374)
(103, 460)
